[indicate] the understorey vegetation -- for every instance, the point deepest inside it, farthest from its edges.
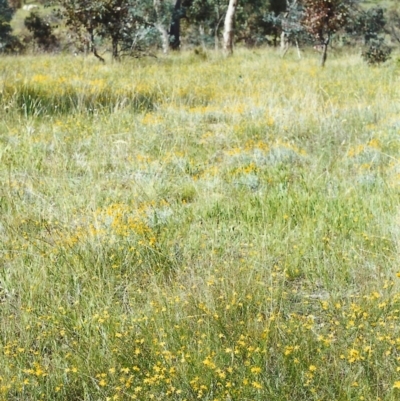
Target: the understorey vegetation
(173, 228)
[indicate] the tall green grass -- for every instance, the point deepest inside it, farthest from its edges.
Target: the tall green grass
(183, 229)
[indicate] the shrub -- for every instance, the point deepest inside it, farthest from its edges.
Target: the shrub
(14, 45)
(377, 52)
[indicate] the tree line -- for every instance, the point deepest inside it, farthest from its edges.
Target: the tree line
(138, 27)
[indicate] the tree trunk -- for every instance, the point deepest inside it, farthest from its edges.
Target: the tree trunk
(229, 26)
(115, 53)
(175, 28)
(93, 46)
(298, 49)
(325, 50)
(324, 55)
(160, 27)
(202, 36)
(216, 40)
(275, 37)
(284, 43)
(164, 37)
(216, 28)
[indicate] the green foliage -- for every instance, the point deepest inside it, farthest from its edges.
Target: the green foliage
(252, 27)
(6, 13)
(369, 24)
(291, 23)
(201, 11)
(128, 24)
(92, 20)
(42, 32)
(206, 16)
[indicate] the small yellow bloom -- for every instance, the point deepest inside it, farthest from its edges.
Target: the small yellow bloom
(312, 368)
(396, 384)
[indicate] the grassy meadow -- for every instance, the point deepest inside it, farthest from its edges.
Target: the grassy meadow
(199, 228)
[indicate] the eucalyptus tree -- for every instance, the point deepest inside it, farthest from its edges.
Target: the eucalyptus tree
(116, 20)
(273, 17)
(85, 19)
(178, 13)
(246, 20)
(207, 16)
(119, 21)
(322, 18)
(42, 32)
(229, 26)
(368, 24)
(241, 19)
(252, 25)
(161, 20)
(292, 29)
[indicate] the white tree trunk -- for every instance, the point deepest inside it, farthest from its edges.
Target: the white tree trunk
(283, 40)
(229, 26)
(164, 37)
(202, 36)
(284, 43)
(158, 6)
